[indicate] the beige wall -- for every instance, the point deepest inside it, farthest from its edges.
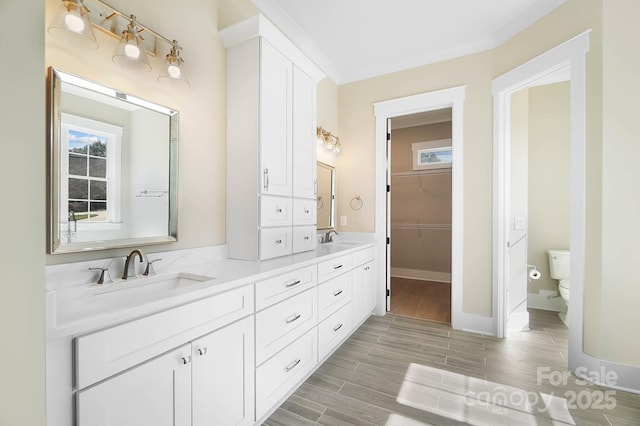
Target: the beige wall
(23, 215)
(476, 72)
(620, 290)
(548, 177)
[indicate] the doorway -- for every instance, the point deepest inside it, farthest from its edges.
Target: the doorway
(567, 56)
(419, 208)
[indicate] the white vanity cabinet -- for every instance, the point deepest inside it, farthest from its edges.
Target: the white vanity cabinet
(364, 282)
(125, 376)
(207, 382)
(155, 393)
(271, 143)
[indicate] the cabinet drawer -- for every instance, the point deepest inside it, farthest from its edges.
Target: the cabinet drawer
(278, 288)
(275, 242)
(363, 256)
(334, 267)
(304, 211)
(285, 370)
(284, 322)
(333, 330)
(304, 239)
(107, 352)
(333, 294)
(275, 211)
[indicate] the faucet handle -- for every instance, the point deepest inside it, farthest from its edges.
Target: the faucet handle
(149, 269)
(101, 278)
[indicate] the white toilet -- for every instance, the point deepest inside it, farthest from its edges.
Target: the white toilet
(559, 270)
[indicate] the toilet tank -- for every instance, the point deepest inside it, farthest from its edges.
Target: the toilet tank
(559, 264)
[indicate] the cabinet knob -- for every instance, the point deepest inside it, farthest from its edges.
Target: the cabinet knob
(186, 359)
(292, 365)
(202, 351)
(306, 211)
(278, 241)
(306, 238)
(278, 210)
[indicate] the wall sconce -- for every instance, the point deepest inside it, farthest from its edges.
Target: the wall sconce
(75, 19)
(329, 141)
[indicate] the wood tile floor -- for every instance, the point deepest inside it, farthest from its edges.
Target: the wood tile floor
(428, 300)
(400, 371)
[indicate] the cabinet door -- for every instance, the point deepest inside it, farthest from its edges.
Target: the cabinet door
(304, 135)
(156, 393)
(364, 294)
(275, 121)
(223, 386)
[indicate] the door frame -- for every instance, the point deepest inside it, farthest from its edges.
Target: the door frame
(447, 98)
(570, 54)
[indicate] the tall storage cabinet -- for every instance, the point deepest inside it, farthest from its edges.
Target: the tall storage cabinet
(271, 146)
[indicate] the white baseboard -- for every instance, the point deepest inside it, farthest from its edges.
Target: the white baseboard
(548, 300)
(473, 323)
(416, 274)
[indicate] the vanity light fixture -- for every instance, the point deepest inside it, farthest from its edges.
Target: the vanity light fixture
(74, 23)
(329, 140)
(130, 51)
(173, 69)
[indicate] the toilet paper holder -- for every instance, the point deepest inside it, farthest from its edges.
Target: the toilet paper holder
(534, 274)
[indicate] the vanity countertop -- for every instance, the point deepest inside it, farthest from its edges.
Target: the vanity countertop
(81, 309)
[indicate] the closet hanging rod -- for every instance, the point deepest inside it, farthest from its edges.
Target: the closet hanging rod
(434, 226)
(422, 172)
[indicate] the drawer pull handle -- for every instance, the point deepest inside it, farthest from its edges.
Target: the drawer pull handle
(278, 210)
(337, 293)
(202, 351)
(292, 318)
(291, 284)
(337, 327)
(292, 365)
(337, 267)
(186, 359)
(266, 179)
(278, 241)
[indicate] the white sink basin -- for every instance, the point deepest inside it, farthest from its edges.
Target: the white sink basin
(154, 284)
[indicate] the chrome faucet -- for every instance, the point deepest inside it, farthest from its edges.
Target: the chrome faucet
(328, 238)
(131, 259)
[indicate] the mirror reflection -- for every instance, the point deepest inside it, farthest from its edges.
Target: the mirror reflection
(326, 196)
(113, 160)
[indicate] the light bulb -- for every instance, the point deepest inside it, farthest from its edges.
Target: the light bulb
(132, 51)
(174, 71)
(336, 150)
(74, 22)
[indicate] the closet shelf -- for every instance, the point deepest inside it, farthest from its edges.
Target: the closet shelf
(436, 226)
(422, 172)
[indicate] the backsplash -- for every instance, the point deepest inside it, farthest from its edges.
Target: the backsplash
(78, 273)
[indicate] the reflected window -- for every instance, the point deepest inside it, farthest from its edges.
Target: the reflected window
(91, 173)
(87, 182)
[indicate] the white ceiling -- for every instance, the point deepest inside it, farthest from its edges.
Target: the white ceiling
(352, 40)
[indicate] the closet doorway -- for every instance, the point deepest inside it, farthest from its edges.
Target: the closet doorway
(419, 208)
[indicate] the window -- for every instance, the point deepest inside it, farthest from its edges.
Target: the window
(90, 177)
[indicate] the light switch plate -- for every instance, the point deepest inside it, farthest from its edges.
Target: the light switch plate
(343, 221)
(519, 223)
